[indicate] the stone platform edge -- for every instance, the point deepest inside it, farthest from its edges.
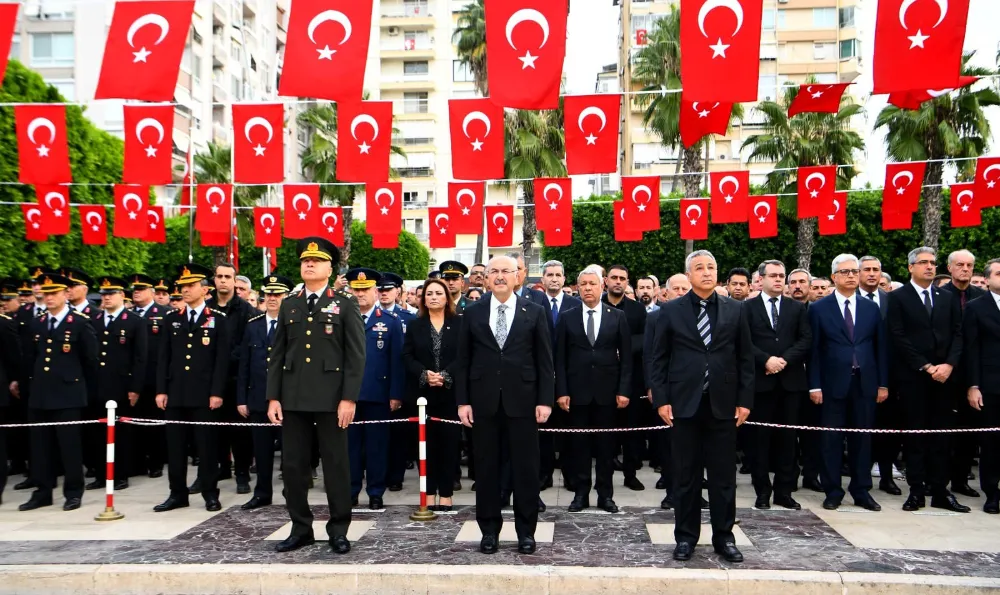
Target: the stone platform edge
(285, 579)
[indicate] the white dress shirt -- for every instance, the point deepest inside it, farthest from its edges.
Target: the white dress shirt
(767, 306)
(853, 299)
(318, 294)
(511, 304)
(875, 298)
(366, 315)
(59, 316)
(920, 292)
(109, 315)
(558, 298)
(81, 307)
(996, 298)
(198, 310)
(597, 318)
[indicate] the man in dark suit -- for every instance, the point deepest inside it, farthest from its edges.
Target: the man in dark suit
(504, 386)
(848, 374)
(152, 453)
(521, 288)
(703, 385)
(779, 328)
(593, 379)
(314, 380)
(981, 352)
(925, 326)
(10, 370)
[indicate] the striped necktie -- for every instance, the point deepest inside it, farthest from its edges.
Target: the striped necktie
(705, 330)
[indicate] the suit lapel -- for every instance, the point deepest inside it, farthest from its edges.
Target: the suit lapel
(607, 320)
(484, 324)
(690, 317)
(517, 321)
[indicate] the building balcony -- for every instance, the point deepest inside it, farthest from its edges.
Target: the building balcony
(218, 13)
(249, 8)
(413, 82)
(850, 69)
(412, 15)
(400, 49)
(219, 93)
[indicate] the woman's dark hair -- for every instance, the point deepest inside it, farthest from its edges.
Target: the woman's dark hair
(449, 306)
(477, 290)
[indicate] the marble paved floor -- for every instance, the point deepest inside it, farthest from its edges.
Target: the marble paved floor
(850, 539)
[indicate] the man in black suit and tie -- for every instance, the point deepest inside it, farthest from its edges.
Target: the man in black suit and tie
(779, 328)
(925, 324)
(848, 375)
(593, 380)
(504, 387)
(521, 288)
(981, 351)
(703, 385)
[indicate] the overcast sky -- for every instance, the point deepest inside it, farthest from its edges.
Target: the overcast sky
(593, 42)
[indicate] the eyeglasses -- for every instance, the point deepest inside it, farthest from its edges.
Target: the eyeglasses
(775, 275)
(495, 272)
(922, 263)
(852, 272)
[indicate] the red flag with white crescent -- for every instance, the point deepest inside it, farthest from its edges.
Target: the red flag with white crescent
(816, 98)
(384, 209)
(694, 219)
(622, 233)
(903, 182)
(148, 158)
(553, 203)
(721, 41)
(42, 150)
(157, 232)
(363, 141)
(763, 216)
(214, 209)
(54, 204)
(442, 233)
(259, 143)
(918, 45)
(698, 119)
(8, 20)
(988, 182)
(730, 192)
(267, 227)
(558, 237)
(93, 225)
(131, 220)
(641, 195)
(527, 41)
(965, 209)
(385, 241)
(301, 210)
(592, 125)
(816, 186)
(500, 226)
(331, 225)
(477, 139)
(834, 221)
(187, 181)
(893, 220)
(912, 100)
(33, 222)
(465, 199)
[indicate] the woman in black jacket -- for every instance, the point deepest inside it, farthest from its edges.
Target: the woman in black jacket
(429, 352)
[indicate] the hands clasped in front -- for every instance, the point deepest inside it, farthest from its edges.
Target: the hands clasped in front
(542, 413)
(666, 413)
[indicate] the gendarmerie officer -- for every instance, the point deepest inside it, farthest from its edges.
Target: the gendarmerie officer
(10, 369)
(79, 285)
(190, 378)
(120, 374)
(251, 384)
(402, 437)
(453, 273)
(152, 448)
(60, 361)
(314, 378)
(19, 441)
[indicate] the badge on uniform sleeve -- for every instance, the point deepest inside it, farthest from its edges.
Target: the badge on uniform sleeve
(206, 340)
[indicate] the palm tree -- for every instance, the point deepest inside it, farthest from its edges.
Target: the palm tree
(470, 42)
(803, 140)
(952, 126)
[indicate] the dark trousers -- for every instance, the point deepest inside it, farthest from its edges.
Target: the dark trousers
(443, 444)
(205, 438)
(368, 445)
(773, 447)
(808, 440)
(927, 405)
(704, 442)
(853, 410)
(521, 435)
(631, 442)
(236, 441)
(49, 445)
(989, 461)
(402, 438)
(584, 447)
(3, 450)
(263, 453)
(664, 442)
(886, 447)
(151, 446)
(18, 439)
(547, 447)
(297, 440)
(963, 445)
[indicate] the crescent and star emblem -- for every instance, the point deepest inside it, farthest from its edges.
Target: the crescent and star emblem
(643, 189)
(521, 16)
(437, 222)
(687, 213)
(222, 197)
(990, 183)
(138, 204)
(477, 145)
(719, 48)
(917, 40)
(958, 200)
(703, 113)
(155, 216)
(815, 176)
(392, 199)
(147, 19)
(267, 226)
(309, 205)
(736, 187)
(94, 219)
(330, 227)
(900, 190)
(155, 125)
(505, 221)
(57, 211)
(553, 204)
(31, 213)
(364, 119)
(836, 209)
(43, 150)
(592, 111)
(767, 211)
(334, 16)
(458, 199)
(252, 123)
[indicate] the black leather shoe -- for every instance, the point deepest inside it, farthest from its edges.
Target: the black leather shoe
(541, 505)
(786, 501)
(395, 487)
(27, 484)
(242, 487)
(949, 503)
(813, 484)
(868, 503)
(580, 501)
(744, 470)
(634, 484)
(889, 487)
(729, 552)
(90, 473)
(293, 543)
(992, 505)
(762, 502)
(667, 503)
(340, 544)
(255, 503)
(170, 503)
(607, 505)
(71, 504)
(683, 551)
(35, 502)
(354, 501)
(94, 485)
(375, 503)
(489, 544)
(914, 502)
(195, 488)
(616, 464)
(155, 473)
(526, 545)
(213, 505)
(965, 489)
(660, 484)
(546, 483)
(457, 486)
(831, 503)
(121, 484)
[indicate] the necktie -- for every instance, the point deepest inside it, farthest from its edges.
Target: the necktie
(139, 312)
(927, 302)
(110, 320)
(961, 297)
(849, 321)
(774, 312)
(270, 332)
(364, 319)
(39, 311)
(871, 296)
(52, 324)
(705, 330)
(555, 312)
(591, 333)
(501, 332)
(312, 302)
(193, 316)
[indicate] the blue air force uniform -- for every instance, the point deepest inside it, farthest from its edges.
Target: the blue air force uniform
(402, 437)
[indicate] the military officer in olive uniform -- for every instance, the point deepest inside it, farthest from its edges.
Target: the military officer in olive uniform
(314, 377)
(60, 362)
(152, 448)
(121, 373)
(190, 378)
(251, 384)
(453, 273)
(10, 369)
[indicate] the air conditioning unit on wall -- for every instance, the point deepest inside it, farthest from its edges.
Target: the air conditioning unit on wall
(393, 31)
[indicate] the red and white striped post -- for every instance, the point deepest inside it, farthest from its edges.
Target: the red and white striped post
(110, 514)
(423, 513)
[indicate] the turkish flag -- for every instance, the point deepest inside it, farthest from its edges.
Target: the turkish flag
(988, 183)
(622, 233)
(331, 225)
(384, 209)
(212, 239)
(465, 199)
(699, 119)
(148, 158)
(918, 45)
(527, 41)
(214, 209)
(694, 219)
(187, 181)
(834, 221)
(156, 233)
(894, 219)
(43, 154)
(442, 234)
(500, 226)
(33, 222)
(130, 212)
(641, 195)
(385, 241)
(559, 237)
(592, 126)
(364, 156)
(234, 254)
(902, 186)
(327, 49)
(8, 18)
(267, 227)
(730, 192)
(821, 99)
(721, 41)
(301, 210)
(965, 209)
(144, 48)
(553, 203)
(816, 188)
(93, 225)
(271, 255)
(477, 143)
(763, 217)
(259, 145)
(54, 204)
(912, 100)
